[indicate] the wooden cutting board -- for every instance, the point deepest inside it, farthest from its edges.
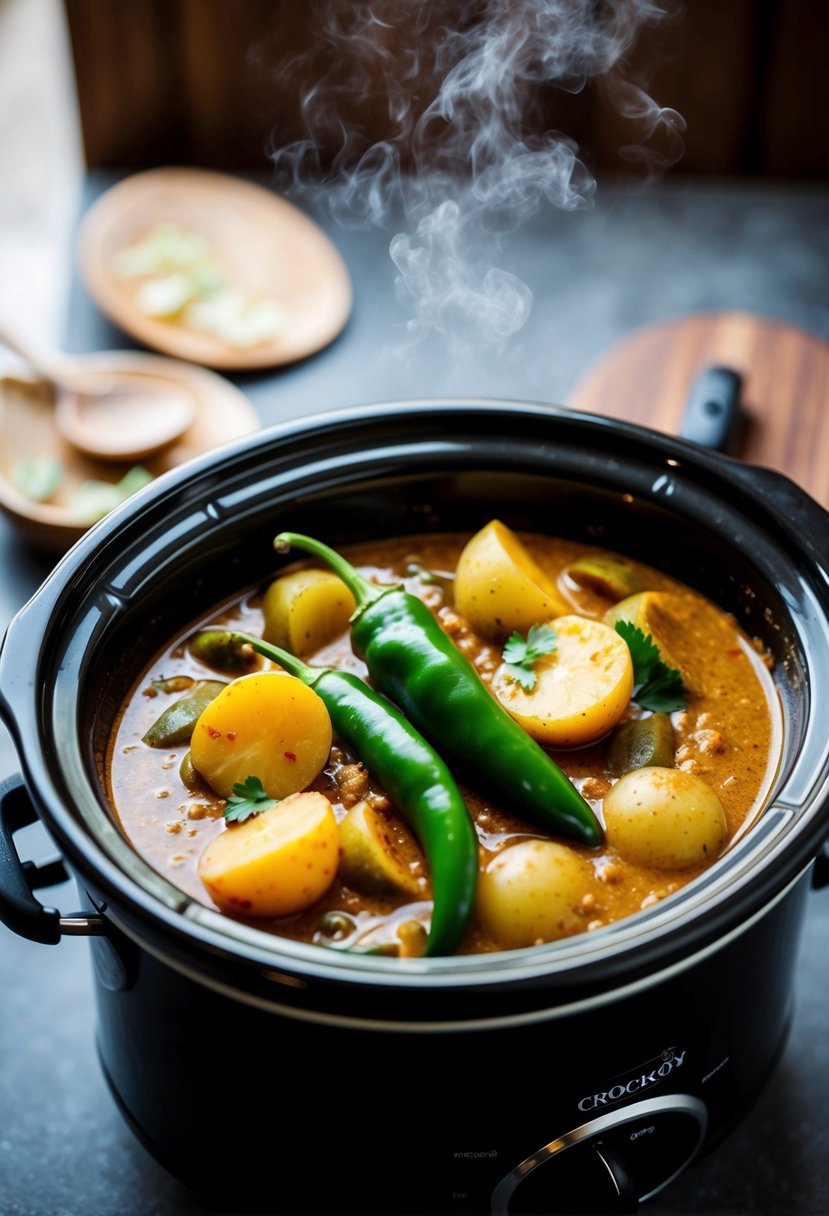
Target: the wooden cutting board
(647, 378)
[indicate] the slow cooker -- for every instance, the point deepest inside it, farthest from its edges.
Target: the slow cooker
(578, 1076)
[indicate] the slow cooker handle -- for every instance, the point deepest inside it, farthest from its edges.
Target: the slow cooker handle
(802, 516)
(19, 910)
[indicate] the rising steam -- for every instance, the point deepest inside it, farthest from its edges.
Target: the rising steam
(455, 90)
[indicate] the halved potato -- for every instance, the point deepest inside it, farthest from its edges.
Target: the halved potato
(531, 892)
(659, 614)
(665, 818)
(268, 725)
(276, 863)
(499, 587)
(306, 610)
(582, 689)
(376, 854)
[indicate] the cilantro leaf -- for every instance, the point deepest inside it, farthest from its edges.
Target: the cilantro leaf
(521, 655)
(656, 686)
(663, 693)
(248, 798)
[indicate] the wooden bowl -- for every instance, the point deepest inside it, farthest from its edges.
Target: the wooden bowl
(27, 429)
(262, 245)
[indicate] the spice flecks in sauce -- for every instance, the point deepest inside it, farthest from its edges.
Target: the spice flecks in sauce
(728, 735)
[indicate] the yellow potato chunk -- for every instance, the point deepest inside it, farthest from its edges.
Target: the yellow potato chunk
(665, 818)
(499, 587)
(531, 892)
(267, 725)
(276, 863)
(379, 856)
(582, 689)
(660, 614)
(306, 610)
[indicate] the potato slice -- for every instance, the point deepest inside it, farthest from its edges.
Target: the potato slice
(276, 863)
(269, 725)
(659, 614)
(665, 818)
(376, 854)
(499, 587)
(532, 892)
(582, 689)
(306, 610)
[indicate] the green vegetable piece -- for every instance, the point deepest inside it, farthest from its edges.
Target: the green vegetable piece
(607, 575)
(164, 297)
(419, 667)
(656, 686)
(176, 723)
(38, 477)
(188, 774)
(172, 684)
(249, 797)
(641, 743)
(133, 480)
(521, 656)
(95, 499)
(165, 248)
(217, 649)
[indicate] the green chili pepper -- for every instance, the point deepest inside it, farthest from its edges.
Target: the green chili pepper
(413, 662)
(414, 777)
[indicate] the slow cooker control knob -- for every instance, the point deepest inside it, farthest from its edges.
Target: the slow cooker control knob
(623, 1188)
(607, 1165)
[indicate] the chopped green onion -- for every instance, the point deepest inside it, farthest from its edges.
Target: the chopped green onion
(38, 477)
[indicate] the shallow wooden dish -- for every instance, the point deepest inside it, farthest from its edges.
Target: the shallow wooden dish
(264, 246)
(27, 429)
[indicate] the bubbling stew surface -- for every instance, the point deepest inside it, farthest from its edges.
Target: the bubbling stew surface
(727, 735)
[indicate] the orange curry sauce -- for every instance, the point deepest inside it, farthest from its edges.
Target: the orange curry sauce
(729, 735)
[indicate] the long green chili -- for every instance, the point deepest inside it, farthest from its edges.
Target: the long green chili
(413, 776)
(413, 662)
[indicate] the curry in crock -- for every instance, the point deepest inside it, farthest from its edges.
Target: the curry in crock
(442, 744)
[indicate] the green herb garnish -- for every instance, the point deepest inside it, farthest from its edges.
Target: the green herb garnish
(656, 686)
(521, 656)
(248, 798)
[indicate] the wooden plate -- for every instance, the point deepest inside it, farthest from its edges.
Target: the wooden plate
(647, 378)
(27, 429)
(263, 246)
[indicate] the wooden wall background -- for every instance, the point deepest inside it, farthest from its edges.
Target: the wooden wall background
(208, 82)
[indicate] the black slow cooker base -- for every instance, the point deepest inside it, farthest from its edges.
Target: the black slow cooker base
(276, 1114)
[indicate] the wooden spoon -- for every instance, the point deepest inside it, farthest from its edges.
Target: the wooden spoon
(119, 416)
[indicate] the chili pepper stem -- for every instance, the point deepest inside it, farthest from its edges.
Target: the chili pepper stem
(286, 660)
(364, 592)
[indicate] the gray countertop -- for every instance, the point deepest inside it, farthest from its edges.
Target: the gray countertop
(636, 257)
